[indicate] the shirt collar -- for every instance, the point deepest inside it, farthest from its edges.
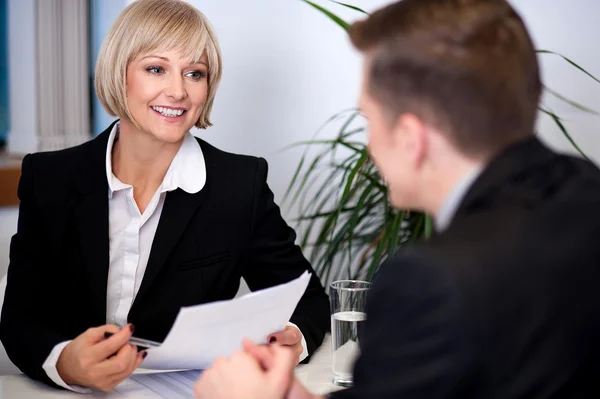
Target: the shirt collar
(454, 198)
(187, 170)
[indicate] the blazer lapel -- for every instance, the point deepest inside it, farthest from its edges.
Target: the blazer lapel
(178, 210)
(91, 220)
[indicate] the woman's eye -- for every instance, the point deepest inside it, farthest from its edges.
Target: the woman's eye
(155, 70)
(196, 75)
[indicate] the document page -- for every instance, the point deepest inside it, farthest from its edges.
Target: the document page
(175, 385)
(203, 332)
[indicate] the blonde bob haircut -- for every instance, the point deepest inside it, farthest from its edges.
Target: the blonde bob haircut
(154, 25)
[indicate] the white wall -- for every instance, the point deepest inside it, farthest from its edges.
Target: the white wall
(287, 69)
(8, 227)
(569, 28)
(22, 72)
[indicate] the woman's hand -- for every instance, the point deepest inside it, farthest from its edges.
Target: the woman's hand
(291, 338)
(93, 361)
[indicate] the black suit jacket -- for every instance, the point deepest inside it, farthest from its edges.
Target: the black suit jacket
(505, 303)
(204, 244)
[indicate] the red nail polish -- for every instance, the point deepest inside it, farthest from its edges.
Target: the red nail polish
(144, 354)
(272, 340)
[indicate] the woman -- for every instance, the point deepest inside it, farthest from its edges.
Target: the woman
(124, 230)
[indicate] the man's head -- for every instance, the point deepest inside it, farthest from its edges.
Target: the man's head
(447, 83)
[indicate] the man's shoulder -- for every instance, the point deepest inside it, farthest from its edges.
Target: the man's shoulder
(543, 209)
(519, 247)
(415, 270)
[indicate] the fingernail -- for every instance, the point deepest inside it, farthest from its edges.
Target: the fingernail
(131, 328)
(144, 354)
(272, 340)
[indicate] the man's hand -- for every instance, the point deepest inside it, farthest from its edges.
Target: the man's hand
(297, 391)
(290, 338)
(266, 357)
(242, 377)
(88, 360)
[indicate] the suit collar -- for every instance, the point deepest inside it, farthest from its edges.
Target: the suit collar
(509, 164)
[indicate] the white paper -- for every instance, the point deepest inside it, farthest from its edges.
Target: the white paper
(204, 332)
(178, 385)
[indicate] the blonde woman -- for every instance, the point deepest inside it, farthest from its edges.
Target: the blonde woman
(126, 229)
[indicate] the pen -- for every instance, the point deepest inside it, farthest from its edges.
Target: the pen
(139, 342)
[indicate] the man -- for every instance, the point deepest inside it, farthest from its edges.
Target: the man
(503, 301)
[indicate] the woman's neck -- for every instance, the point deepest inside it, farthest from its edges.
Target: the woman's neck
(139, 159)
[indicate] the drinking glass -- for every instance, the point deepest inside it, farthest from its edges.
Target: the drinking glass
(347, 298)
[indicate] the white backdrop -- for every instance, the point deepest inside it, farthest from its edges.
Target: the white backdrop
(569, 28)
(287, 68)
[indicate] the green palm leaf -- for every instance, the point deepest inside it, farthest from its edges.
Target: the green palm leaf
(351, 7)
(331, 15)
(570, 62)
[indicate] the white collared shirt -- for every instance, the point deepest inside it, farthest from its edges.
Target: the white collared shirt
(454, 199)
(131, 234)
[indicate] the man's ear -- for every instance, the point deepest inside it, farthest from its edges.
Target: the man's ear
(410, 133)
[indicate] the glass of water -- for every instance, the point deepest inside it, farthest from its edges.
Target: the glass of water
(347, 316)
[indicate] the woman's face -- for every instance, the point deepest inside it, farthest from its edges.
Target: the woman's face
(166, 93)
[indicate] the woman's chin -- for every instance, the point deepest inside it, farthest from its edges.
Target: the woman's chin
(169, 136)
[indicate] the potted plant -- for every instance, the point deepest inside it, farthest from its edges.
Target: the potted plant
(346, 223)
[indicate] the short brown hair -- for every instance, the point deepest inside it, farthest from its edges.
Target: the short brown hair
(154, 25)
(468, 67)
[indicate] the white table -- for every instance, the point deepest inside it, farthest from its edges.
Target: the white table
(316, 376)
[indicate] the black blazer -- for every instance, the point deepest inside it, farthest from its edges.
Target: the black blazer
(505, 303)
(204, 244)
